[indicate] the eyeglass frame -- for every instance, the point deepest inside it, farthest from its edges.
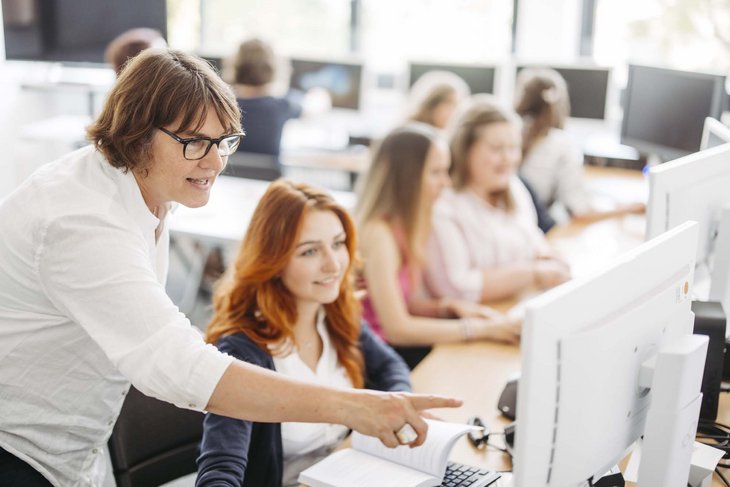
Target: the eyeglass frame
(211, 141)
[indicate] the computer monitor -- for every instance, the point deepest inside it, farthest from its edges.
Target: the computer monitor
(695, 187)
(587, 89)
(665, 109)
(583, 396)
(342, 80)
(480, 78)
(74, 30)
(714, 133)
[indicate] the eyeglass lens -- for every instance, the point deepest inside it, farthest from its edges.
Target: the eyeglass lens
(197, 149)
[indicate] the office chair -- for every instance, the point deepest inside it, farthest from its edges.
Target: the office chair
(250, 165)
(153, 442)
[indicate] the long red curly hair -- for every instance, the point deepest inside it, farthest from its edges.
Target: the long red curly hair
(251, 299)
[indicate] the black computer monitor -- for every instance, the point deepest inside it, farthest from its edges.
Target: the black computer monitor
(665, 109)
(74, 30)
(479, 78)
(343, 81)
(587, 89)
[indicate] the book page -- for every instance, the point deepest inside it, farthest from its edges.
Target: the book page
(431, 457)
(350, 467)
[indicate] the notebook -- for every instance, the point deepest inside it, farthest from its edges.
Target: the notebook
(370, 463)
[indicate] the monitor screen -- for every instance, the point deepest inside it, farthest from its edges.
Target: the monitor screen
(695, 187)
(74, 30)
(665, 109)
(581, 402)
(342, 80)
(479, 78)
(587, 89)
(714, 133)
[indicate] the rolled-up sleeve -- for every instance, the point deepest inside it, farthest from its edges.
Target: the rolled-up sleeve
(101, 276)
(449, 271)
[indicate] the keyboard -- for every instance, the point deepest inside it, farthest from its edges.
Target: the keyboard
(459, 475)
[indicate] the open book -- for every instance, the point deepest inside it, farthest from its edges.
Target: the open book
(370, 463)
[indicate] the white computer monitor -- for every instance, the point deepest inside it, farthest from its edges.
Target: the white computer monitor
(581, 403)
(695, 187)
(714, 133)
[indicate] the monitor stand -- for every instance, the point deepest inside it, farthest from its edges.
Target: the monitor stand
(674, 376)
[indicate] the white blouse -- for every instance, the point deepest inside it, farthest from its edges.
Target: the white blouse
(554, 168)
(301, 439)
(469, 236)
(83, 312)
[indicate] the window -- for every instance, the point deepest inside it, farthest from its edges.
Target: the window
(313, 28)
(681, 34)
(458, 31)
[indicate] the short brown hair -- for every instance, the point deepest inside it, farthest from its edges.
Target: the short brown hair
(255, 63)
(130, 43)
(157, 88)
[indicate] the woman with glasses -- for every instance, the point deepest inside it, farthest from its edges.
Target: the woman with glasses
(83, 309)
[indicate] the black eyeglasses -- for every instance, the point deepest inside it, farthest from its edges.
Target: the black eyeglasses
(195, 148)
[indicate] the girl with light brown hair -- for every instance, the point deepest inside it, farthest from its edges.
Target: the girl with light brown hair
(408, 172)
(552, 161)
(486, 245)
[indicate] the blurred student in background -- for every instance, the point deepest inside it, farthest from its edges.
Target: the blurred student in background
(408, 172)
(288, 305)
(130, 43)
(435, 96)
(486, 245)
(254, 74)
(553, 162)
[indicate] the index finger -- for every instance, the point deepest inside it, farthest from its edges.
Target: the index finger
(430, 401)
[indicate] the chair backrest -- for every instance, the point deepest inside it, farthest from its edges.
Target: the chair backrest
(250, 165)
(153, 442)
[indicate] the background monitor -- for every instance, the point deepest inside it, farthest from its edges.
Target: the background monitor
(342, 80)
(714, 133)
(665, 109)
(695, 187)
(74, 30)
(581, 403)
(479, 78)
(587, 89)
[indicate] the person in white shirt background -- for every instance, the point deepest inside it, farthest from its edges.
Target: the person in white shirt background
(485, 243)
(83, 310)
(552, 161)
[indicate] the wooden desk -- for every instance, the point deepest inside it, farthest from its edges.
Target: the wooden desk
(477, 372)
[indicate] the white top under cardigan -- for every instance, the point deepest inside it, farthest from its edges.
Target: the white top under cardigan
(83, 312)
(470, 236)
(306, 443)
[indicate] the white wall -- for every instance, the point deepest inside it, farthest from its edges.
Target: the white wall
(548, 30)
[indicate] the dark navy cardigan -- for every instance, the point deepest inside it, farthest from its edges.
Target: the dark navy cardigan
(244, 453)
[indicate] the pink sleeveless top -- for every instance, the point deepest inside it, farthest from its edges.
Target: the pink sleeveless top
(405, 274)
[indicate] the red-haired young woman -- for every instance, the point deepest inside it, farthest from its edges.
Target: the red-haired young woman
(288, 305)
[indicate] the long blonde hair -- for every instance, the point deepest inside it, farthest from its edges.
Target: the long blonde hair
(484, 110)
(393, 187)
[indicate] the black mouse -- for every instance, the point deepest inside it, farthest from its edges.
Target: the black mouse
(507, 404)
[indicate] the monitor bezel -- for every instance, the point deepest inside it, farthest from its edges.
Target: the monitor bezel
(667, 152)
